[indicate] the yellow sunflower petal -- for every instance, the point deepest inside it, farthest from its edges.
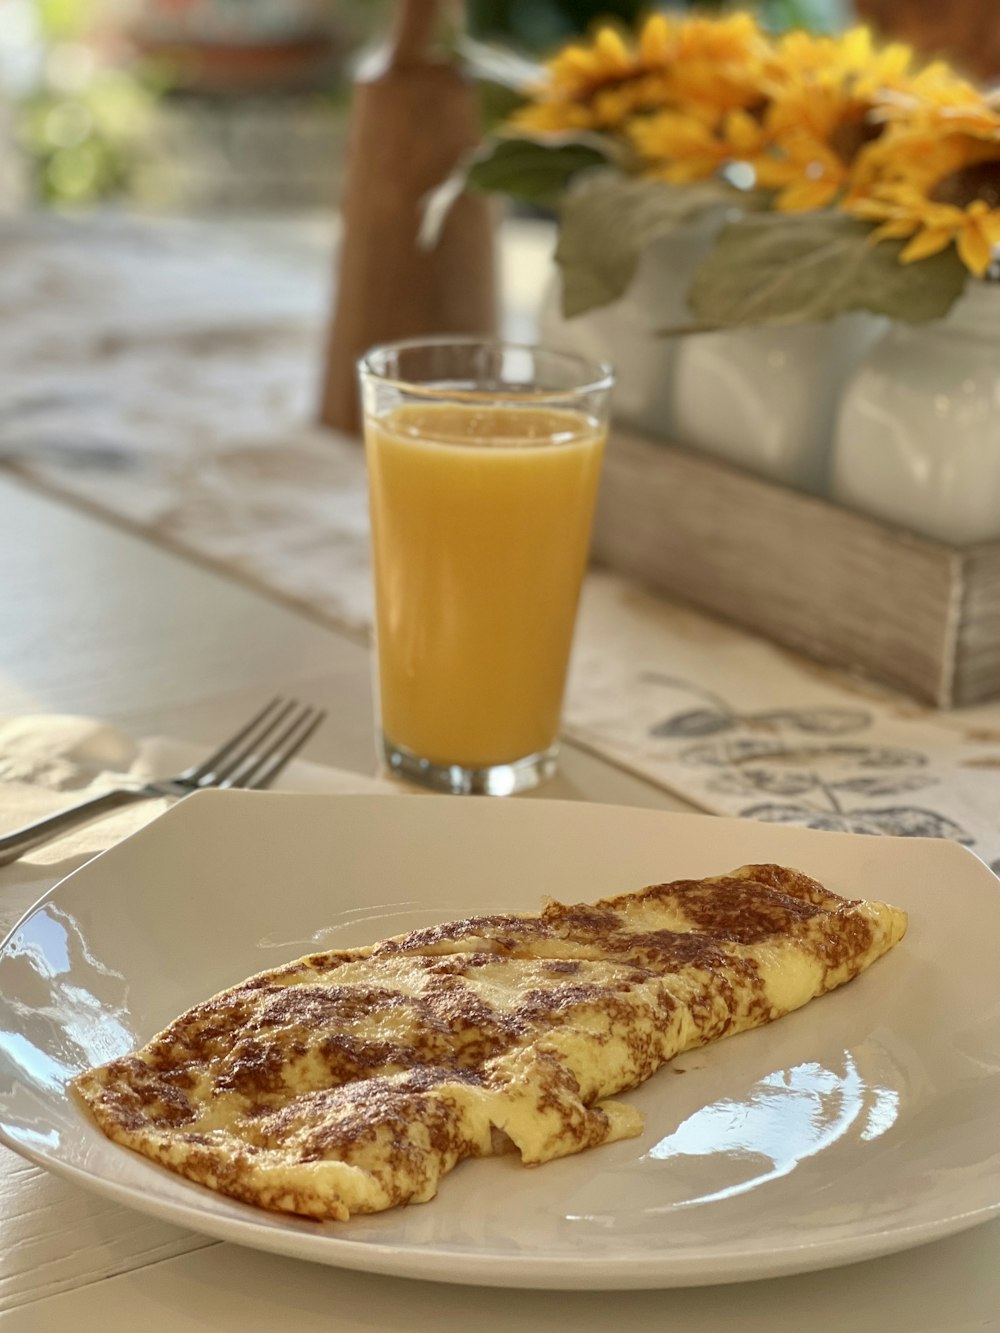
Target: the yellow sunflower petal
(610, 47)
(672, 134)
(896, 60)
(774, 173)
(896, 229)
(655, 40)
(871, 210)
(974, 249)
(612, 107)
(856, 48)
(743, 132)
(552, 118)
(943, 216)
(928, 242)
(801, 52)
(806, 196)
(572, 62)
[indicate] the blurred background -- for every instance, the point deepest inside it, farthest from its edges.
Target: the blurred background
(197, 106)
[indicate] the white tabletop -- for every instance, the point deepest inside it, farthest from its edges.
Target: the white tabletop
(100, 622)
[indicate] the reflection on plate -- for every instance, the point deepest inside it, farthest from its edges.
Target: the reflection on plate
(863, 1124)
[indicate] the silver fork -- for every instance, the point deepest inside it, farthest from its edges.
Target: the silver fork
(252, 758)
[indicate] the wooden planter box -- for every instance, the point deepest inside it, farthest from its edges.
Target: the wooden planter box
(838, 586)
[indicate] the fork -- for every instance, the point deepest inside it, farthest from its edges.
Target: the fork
(250, 759)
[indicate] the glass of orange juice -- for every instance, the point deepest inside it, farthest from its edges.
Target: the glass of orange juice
(483, 465)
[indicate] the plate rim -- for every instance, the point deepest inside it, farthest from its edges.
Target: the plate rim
(634, 1273)
(631, 1272)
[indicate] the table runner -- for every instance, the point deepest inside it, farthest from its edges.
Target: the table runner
(165, 373)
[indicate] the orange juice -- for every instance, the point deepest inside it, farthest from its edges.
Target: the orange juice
(480, 526)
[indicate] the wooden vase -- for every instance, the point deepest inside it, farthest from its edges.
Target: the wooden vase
(411, 123)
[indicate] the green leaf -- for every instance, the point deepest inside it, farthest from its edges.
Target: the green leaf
(779, 268)
(531, 170)
(608, 221)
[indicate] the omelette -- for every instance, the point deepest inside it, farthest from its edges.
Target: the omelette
(353, 1080)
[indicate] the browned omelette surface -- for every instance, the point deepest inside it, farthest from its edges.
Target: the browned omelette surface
(351, 1081)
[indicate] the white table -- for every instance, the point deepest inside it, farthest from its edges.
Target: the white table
(102, 623)
(99, 622)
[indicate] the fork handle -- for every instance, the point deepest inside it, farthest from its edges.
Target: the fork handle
(24, 839)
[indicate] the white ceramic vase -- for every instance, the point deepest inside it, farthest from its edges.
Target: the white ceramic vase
(918, 435)
(766, 398)
(626, 334)
(763, 398)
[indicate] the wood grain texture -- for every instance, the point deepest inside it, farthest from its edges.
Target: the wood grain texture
(844, 589)
(977, 651)
(57, 1238)
(230, 1289)
(410, 126)
(98, 621)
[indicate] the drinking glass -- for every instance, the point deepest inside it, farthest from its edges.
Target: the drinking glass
(483, 465)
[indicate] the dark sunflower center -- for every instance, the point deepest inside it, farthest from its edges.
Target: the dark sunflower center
(962, 188)
(854, 133)
(758, 110)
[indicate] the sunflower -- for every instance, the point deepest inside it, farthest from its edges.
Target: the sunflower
(597, 85)
(823, 121)
(691, 64)
(807, 172)
(801, 56)
(718, 65)
(823, 113)
(938, 102)
(941, 192)
(686, 146)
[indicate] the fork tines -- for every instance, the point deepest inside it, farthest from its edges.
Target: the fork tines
(259, 751)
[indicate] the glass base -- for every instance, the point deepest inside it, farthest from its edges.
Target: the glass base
(494, 780)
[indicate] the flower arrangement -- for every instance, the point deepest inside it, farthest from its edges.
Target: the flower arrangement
(843, 175)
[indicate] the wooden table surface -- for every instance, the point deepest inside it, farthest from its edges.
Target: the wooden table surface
(100, 622)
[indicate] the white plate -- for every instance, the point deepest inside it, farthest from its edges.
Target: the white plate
(864, 1123)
